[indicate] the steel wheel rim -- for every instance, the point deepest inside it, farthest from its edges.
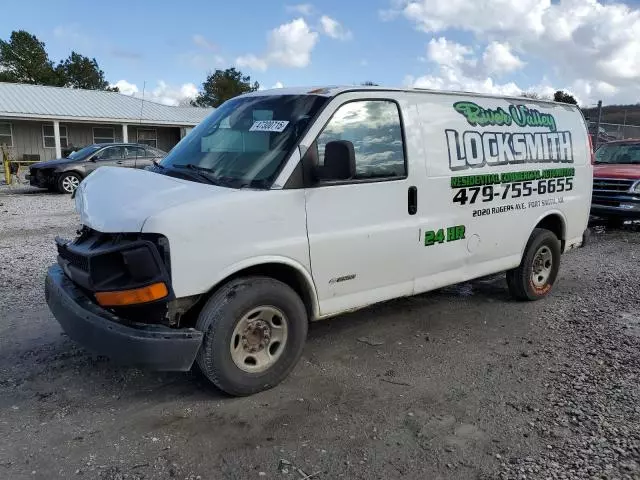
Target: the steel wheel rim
(542, 266)
(70, 183)
(259, 339)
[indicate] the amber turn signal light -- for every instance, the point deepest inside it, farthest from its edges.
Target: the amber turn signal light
(131, 297)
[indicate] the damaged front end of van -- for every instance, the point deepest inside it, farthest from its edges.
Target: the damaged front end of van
(111, 289)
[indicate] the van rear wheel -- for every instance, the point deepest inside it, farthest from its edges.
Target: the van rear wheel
(537, 272)
(254, 333)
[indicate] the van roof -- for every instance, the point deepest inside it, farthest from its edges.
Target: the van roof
(333, 90)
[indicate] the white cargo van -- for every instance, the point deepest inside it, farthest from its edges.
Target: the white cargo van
(293, 205)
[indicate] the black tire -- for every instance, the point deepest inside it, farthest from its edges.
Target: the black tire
(521, 279)
(64, 179)
(218, 319)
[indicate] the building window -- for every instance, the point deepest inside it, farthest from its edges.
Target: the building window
(148, 136)
(6, 134)
(49, 138)
(104, 135)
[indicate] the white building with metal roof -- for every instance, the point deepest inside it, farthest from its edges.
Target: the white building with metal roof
(40, 122)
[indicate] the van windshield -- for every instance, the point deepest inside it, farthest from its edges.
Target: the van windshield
(245, 142)
(625, 153)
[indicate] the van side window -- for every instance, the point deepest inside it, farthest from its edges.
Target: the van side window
(374, 128)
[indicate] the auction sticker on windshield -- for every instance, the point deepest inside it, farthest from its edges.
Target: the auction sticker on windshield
(269, 126)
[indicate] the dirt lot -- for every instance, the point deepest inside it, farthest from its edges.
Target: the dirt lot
(461, 383)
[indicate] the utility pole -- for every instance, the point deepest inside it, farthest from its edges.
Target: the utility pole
(595, 146)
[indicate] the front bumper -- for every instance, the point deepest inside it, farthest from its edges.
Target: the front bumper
(40, 181)
(155, 347)
(629, 210)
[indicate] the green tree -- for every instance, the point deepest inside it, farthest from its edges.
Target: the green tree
(222, 85)
(564, 97)
(79, 71)
(23, 59)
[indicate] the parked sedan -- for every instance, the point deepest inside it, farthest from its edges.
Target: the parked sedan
(65, 174)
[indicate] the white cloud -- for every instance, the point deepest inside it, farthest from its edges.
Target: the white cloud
(288, 45)
(188, 90)
(334, 29)
(452, 54)
(278, 84)
(125, 87)
(170, 95)
(456, 68)
(305, 9)
(497, 15)
(202, 42)
(497, 58)
(452, 80)
(592, 46)
(291, 44)
(162, 93)
(252, 62)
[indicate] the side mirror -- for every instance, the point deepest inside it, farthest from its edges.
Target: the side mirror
(339, 161)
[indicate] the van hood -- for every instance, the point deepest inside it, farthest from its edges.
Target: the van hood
(630, 172)
(112, 199)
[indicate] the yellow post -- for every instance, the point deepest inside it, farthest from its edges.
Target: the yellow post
(7, 169)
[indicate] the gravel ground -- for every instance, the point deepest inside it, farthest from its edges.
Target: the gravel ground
(29, 222)
(460, 383)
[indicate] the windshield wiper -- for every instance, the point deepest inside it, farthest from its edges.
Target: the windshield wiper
(220, 181)
(260, 183)
(157, 165)
(199, 172)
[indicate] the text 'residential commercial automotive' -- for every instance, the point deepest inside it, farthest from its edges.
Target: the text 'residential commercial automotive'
(293, 205)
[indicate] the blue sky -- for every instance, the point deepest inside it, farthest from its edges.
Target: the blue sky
(486, 45)
(155, 41)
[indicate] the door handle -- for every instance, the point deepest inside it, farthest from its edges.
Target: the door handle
(119, 162)
(412, 201)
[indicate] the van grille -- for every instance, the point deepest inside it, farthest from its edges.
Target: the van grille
(78, 261)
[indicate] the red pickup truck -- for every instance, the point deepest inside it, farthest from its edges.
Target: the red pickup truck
(616, 182)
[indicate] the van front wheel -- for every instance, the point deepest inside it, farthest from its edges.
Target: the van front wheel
(254, 332)
(537, 272)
